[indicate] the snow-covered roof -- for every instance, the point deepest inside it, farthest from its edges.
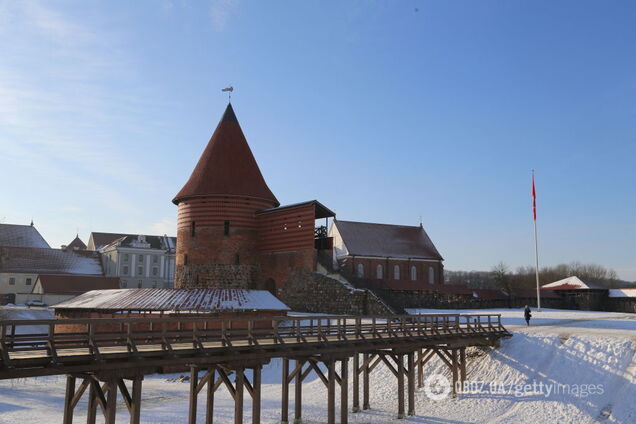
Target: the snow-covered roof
(98, 241)
(571, 283)
(21, 236)
(622, 293)
(202, 300)
(386, 241)
(29, 260)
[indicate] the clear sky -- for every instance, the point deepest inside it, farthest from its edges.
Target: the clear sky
(384, 111)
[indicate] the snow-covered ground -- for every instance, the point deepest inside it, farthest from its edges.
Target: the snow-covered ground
(581, 352)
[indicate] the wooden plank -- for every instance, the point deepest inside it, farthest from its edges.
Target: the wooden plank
(400, 386)
(365, 382)
(284, 410)
(68, 400)
(209, 405)
(238, 398)
(331, 392)
(111, 402)
(91, 414)
(410, 372)
(192, 411)
(356, 383)
(135, 410)
(298, 393)
(455, 369)
(256, 396)
(344, 391)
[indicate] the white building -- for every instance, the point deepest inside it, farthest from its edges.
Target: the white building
(140, 261)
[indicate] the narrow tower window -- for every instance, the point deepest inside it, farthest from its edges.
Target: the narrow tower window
(378, 272)
(396, 272)
(360, 270)
(193, 228)
(226, 228)
(413, 273)
(431, 275)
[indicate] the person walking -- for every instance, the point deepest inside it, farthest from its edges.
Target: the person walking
(527, 315)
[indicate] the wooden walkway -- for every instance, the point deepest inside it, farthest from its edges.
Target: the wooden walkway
(105, 353)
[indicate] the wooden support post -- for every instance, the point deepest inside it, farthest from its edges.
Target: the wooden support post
(344, 391)
(356, 383)
(284, 410)
(135, 407)
(238, 400)
(420, 369)
(365, 381)
(110, 409)
(91, 414)
(256, 395)
(462, 365)
(455, 369)
(400, 378)
(411, 382)
(331, 392)
(209, 404)
(194, 381)
(68, 400)
(298, 394)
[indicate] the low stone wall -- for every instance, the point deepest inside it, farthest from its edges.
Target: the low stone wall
(317, 293)
(413, 299)
(217, 276)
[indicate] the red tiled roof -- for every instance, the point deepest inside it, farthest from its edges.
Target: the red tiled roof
(75, 284)
(384, 240)
(227, 166)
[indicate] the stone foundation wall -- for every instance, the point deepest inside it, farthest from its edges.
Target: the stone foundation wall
(315, 292)
(222, 276)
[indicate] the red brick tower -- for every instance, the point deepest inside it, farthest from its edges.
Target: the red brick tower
(217, 231)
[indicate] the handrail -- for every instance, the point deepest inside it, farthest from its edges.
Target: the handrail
(95, 334)
(217, 319)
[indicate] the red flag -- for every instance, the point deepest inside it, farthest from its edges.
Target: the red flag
(534, 199)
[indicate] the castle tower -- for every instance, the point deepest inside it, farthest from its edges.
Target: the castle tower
(217, 231)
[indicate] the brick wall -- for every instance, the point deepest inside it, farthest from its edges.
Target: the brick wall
(279, 267)
(370, 267)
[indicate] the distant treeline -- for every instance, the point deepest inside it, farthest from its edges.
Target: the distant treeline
(500, 276)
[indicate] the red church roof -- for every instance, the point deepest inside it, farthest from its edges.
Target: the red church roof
(227, 166)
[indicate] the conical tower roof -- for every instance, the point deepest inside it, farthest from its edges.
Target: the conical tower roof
(227, 166)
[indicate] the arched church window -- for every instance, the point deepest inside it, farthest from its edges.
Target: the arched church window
(396, 272)
(360, 270)
(413, 273)
(378, 272)
(431, 275)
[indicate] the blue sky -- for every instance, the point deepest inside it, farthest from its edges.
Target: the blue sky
(383, 111)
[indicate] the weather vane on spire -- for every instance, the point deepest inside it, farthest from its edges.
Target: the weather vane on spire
(228, 90)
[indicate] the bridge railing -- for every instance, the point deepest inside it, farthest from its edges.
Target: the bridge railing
(98, 334)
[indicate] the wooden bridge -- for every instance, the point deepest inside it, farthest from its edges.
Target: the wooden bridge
(111, 355)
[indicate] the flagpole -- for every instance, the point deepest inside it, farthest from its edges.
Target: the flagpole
(536, 244)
